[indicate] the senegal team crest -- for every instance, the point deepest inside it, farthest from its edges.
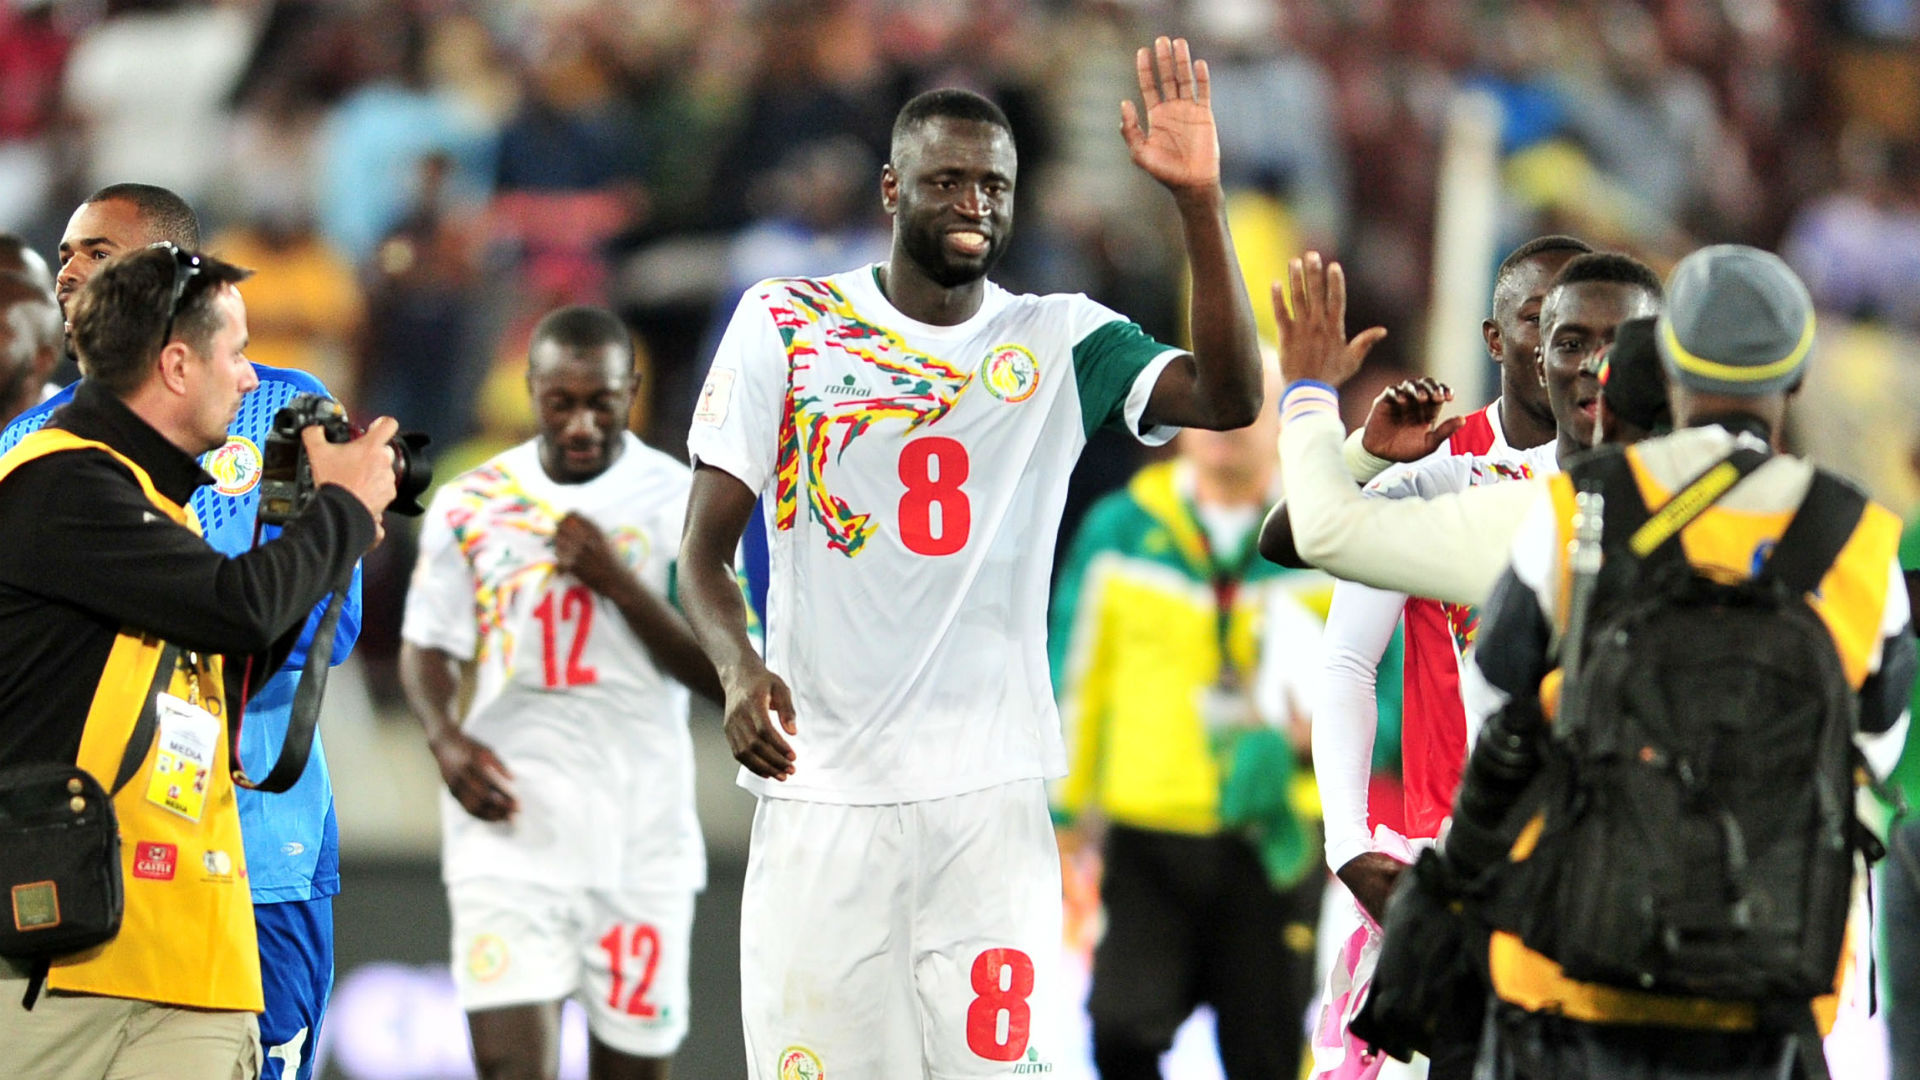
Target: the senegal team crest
(799, 1063)
(1010, 373)
(235, 466)
(487, 957)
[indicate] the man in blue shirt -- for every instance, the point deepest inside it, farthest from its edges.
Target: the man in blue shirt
(292, 840)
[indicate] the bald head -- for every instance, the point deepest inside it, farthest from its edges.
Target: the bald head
(18, 257)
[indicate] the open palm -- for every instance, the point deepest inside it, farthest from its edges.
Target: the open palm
(1177, 145)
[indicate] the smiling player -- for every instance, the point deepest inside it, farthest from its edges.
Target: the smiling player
(915, 425)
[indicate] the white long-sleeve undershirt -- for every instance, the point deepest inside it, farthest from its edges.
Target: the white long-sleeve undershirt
(1360, 624)
(1450, 547)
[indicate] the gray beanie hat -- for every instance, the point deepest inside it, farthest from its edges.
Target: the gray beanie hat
(1737, 321)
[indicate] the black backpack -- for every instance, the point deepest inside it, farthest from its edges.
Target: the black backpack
(1699, 837)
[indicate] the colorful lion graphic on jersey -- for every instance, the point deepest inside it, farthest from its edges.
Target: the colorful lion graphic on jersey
(815, 430)
(492, 500)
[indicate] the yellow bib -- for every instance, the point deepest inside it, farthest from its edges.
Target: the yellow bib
(187, 937)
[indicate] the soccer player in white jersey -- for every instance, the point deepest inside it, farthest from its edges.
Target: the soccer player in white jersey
(914, 426)
(571, 851)
(1587, 299)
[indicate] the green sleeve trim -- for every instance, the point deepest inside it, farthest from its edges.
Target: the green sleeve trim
(1105, 364)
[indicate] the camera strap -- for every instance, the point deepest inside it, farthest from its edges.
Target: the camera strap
(305, 717)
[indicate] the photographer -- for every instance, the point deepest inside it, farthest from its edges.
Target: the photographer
(1669, 827)
(102, 574)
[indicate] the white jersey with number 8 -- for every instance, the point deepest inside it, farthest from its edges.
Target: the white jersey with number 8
(595, 736)
(914, 477)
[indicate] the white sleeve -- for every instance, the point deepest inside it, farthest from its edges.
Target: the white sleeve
(1882, 750)
(1141, 393)
(736, 422)
(440, 611)
(1359, 625)
(1451, 547)
(1435, 474)
(1362, 464)
(1287, 683)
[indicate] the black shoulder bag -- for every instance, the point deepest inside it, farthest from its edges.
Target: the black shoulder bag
(60, 849)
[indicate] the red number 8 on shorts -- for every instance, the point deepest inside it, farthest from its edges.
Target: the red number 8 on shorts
(1002, 981)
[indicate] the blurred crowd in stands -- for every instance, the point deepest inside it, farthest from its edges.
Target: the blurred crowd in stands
(416, 181)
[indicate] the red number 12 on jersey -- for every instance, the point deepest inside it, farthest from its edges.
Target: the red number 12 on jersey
(576, 606)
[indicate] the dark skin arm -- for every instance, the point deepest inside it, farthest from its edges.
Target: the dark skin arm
(1276, 539)
(1218, 385)
(478, 778)
(583, 551)
(1370, 877)
(717, 514)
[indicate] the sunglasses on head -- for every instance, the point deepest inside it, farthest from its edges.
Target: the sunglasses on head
(186, 266)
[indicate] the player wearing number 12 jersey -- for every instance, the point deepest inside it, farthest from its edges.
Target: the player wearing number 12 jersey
(572, 854)
(913, 426)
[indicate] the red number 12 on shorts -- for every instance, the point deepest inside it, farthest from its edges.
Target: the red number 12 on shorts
(641, 944)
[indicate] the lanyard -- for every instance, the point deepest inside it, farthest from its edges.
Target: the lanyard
(1225, 579)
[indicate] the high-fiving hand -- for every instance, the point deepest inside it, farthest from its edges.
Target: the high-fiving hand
(1175, 142)
(1404, 423)
(1313, 332)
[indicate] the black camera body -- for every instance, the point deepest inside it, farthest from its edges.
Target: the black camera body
(286, 478)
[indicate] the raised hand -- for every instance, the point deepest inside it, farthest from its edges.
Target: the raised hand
(1175, 142)
(1313, 332)
(1400, 426)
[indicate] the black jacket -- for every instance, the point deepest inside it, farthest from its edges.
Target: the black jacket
(83, 554)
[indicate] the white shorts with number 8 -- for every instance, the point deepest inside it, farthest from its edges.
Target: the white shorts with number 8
(902, 940)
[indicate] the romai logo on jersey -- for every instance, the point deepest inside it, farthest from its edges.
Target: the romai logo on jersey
(846, 387)
(1010, 373)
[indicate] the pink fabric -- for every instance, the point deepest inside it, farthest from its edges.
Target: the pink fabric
(1337, 1055)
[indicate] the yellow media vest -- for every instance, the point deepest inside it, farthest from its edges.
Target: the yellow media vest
(1850, 600)
(187, 937)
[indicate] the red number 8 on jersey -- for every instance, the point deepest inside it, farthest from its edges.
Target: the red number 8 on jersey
(993, 1000)
(933, 468)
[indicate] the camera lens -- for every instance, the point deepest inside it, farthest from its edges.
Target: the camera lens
(412, 472)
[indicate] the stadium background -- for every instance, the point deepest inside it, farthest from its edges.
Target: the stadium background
(417, 182)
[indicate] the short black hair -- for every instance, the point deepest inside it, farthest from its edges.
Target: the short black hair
(1610, 266)
(166, 214)
(120, 312)
(580, 328)
(950, 103)
(1539, 245)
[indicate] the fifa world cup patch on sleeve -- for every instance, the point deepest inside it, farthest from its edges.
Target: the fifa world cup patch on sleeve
(715, 398)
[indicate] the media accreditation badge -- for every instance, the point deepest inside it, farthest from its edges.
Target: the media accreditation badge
(184, 765)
